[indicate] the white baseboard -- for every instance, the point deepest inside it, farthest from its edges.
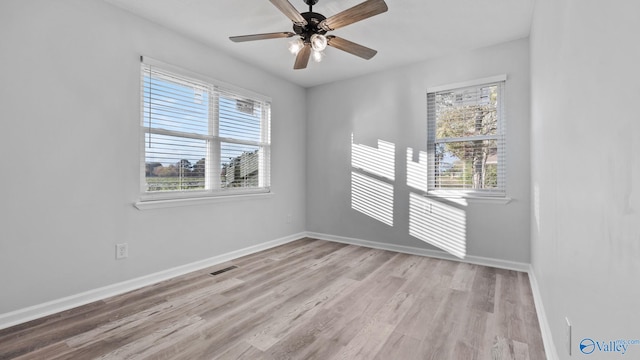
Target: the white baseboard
(478, 260)
(37, 311)
(549, 347)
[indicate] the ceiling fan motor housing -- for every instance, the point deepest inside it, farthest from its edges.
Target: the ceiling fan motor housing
(313, 19)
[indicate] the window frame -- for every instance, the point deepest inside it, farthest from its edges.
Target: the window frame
(499, 193)
(213, 189)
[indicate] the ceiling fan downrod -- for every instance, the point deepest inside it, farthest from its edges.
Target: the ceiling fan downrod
(311, 3)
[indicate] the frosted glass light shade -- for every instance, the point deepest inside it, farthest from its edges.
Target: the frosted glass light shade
(295, 46)
(317, 55)
(318, 42)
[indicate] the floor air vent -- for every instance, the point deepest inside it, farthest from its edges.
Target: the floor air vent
(223, 270)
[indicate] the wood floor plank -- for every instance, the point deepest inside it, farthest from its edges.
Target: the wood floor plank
(158, 342)
(274, 252)
(338, 325)
(307, 299)
(357, 314)
(463, 277)
(367, 342)
(445, 326)
(240, 351)
(520, 351)
(509, 309)
(336, 258)
(534, 342)
(422, 311)
(473, 327)
(368, 263)
(483, 290)
(288, 318)
(396, 308)
(59, 349)
(399, 346)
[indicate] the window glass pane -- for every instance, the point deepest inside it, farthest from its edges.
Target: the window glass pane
(240, 165)
(174, 163)
(466, 165)
(467, 112)
(176, 106)
(240, 119)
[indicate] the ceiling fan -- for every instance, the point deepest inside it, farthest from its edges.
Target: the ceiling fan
(311, 28)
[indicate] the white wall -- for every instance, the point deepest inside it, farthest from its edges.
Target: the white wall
(391, 106)
(69, 113)
(585, 152)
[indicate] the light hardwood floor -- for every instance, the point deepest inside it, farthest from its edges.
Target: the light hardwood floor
(309, 299)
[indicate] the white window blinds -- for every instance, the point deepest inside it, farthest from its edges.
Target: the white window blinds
(466, 139)
(201, 137)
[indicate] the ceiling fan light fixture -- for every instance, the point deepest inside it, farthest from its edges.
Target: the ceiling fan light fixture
(295, 46)
(318, 42)
(317, 55)
(311, 28)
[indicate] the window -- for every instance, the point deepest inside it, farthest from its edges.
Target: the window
(201, 138)
(466, 138)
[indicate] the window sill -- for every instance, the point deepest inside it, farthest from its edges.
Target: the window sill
(205, 200)
(495, 200)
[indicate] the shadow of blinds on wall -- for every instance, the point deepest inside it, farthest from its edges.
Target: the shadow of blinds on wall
(372, 176)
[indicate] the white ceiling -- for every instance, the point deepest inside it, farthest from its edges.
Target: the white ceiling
(411, 31)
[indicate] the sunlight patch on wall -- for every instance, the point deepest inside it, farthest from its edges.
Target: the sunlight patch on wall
(372, 197)
(372, 176)
(417, 172)
(438, 224)
(380, 161)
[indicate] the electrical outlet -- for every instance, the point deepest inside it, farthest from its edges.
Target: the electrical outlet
(567, 335)
(122, 251)
(289, 218)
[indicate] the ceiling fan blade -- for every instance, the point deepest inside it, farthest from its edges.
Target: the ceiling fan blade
(354, 14)
(351, 47)
(290, 11)
(253, 37)
(303, 58)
